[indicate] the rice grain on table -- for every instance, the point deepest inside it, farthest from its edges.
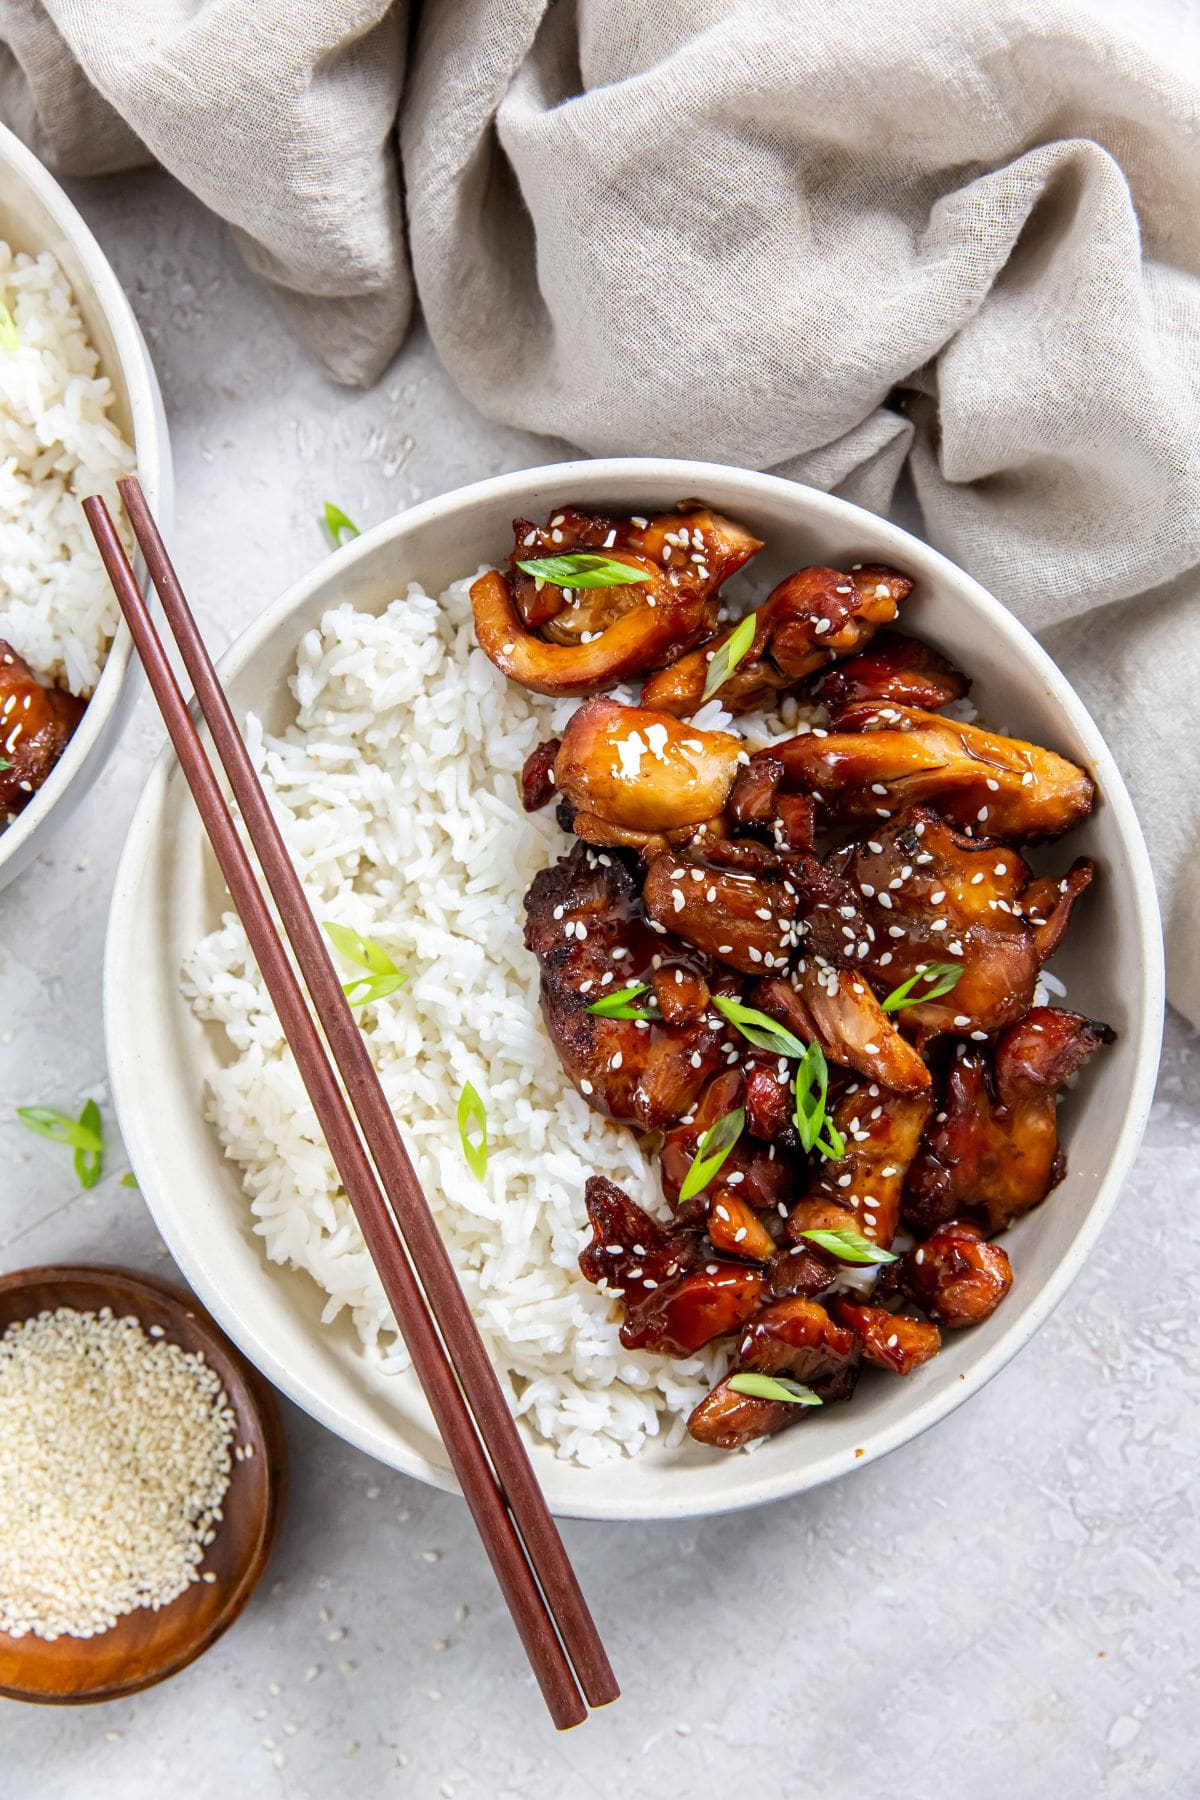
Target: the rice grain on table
(58, 444)
(398, 790)
(114, 1461)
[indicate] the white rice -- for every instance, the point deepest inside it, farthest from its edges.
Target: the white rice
(57, 445)
(398, 790)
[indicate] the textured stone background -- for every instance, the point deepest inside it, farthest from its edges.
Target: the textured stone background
(1008, 1605)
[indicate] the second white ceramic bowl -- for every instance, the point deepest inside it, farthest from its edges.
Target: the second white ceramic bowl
(36, 215)
(167, 896)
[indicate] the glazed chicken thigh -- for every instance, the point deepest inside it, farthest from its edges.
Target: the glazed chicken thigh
(806, 974)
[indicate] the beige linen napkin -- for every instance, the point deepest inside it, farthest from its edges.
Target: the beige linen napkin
(840, 241)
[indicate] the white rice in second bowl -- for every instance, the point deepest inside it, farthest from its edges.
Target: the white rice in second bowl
(398, 788)
(57, 445)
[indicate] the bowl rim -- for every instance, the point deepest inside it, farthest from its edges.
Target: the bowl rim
(151, 446)
(690, 477)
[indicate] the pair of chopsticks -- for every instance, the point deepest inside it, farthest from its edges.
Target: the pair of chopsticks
(464, 1395)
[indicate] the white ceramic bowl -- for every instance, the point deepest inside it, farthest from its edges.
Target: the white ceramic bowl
(167, 896)
(36, 215)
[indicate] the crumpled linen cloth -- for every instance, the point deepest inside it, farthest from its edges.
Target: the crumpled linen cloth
(923, 238)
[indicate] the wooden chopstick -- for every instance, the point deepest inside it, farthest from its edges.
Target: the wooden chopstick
(535, 1610)
(424, 1241)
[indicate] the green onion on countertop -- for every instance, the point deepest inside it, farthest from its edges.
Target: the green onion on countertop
(84, 1135)
(340, 527)
(583, 569)
(773, 1387)
(472, 1117)
(711, 1152)
(726, 659)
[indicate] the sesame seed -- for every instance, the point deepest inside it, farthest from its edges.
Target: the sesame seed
(114, 1461)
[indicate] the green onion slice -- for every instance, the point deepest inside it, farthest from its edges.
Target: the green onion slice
(88, 1162)
(584, 569)
(711, 1152)
(774, 1387)
(940, 977)
(472, 1117)
(727, 658)
(849, 1245)
(382, 977)
(372, 987)
(4, 763)
(79, 1133)
(8, 330)
(763, 1032)
(84, 1135)
(129, 1179)
(616, 1005)
(812, 1094)
(340, 527)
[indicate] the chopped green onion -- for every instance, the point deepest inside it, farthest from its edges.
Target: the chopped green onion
(372, 987)
(340, 528)
(727, 658)
(88, 1162)
(616, 1005)
(129, 1179)
(941, 978)
(382, 977)
(8, 330)
(4, 763)
(812, 1093)
(84, 1135)
(711, 1152)
(774, 1387)
(584, 569)
(472, 1116)
(61, 1129)
(763, 1032)
(850, 1245)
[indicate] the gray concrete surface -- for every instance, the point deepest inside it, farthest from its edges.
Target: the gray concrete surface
(1008, 1605)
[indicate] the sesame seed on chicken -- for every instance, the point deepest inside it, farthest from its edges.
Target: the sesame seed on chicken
(803, 970)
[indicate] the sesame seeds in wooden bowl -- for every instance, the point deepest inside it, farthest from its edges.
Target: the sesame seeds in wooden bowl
(213, 1434)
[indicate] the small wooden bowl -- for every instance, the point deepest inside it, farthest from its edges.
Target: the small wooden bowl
(144, 1647)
